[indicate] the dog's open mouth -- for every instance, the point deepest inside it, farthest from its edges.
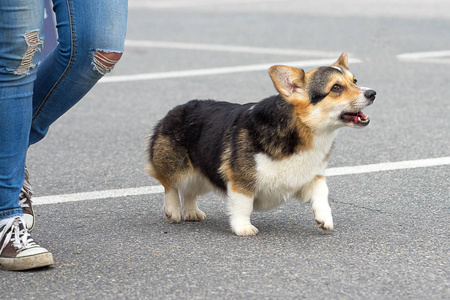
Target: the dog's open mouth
(358, 118)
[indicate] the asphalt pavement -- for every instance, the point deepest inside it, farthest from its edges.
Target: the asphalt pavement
(391, 238)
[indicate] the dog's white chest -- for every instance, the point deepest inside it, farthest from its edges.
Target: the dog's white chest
(279, 180)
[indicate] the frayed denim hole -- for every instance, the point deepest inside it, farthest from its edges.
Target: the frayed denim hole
(102, 63)
(34, 44)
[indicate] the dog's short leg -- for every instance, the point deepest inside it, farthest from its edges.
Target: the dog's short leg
(190, 208)
(172, 207)
(241, 207)
(320, 206)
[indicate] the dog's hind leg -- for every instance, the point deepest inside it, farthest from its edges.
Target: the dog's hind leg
(189, 190)
(172, 206)
(190, 208)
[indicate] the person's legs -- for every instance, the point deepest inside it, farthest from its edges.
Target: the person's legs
(91, 37)
(20, 44)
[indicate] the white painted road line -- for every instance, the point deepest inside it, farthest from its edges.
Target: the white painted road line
(229, 48)
(426, 57)
(183, 3)
(120, 193)
(217, 71)
(401, 165)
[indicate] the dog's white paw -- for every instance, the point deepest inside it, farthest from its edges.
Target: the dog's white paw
(324, 221)
(194, 215)
(173, 214)
(244, 230)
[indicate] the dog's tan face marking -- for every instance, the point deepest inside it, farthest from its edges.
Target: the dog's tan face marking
(325, 98)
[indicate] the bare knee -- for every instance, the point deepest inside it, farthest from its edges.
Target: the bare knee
(104, 61)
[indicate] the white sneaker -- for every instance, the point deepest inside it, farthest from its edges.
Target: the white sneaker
(18, 250)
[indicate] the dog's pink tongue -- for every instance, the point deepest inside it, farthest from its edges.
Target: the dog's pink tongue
(362, 116)
(355, 118)
(359, 116)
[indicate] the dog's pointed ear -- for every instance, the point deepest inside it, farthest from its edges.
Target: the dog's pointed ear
(342, 61)
(287, 80)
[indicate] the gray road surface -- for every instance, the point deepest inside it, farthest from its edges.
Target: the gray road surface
(391, 238)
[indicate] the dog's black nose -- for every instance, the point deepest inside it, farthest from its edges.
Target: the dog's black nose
(370, 94)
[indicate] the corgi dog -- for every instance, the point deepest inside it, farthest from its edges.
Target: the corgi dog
(258, 154)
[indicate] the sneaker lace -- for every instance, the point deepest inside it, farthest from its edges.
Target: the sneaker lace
(23, 200)
(18, 234)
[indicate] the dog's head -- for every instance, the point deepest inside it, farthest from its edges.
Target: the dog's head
(326, 97)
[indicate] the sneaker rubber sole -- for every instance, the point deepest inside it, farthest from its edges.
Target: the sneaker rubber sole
(27, 262)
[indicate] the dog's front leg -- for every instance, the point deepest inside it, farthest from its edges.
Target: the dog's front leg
(241, 207)
(320, 206)
(316, 192)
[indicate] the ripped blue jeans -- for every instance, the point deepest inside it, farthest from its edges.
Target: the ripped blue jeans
(35, 93)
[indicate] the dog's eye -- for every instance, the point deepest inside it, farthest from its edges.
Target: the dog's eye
(355, 81)
(337, 88)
